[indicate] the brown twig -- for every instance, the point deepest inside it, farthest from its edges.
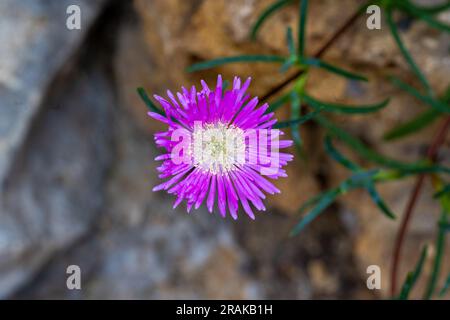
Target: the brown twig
(431, 155)
(318, 54)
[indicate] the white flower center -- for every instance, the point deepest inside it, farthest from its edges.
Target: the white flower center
(218, 147)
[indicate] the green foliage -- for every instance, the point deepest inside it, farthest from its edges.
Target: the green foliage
(378, 168)
(412, 9)
(148, 102)
(446, 287)
(314, 62)
(243, 58)
(412, 126)
(344, 109)
(440, 244)
(267, 13)
(412, 277)
(298, 121)
(406, 53)
(284, 99)
(295, 114)
(444, 191)
(338, 157)
(302, 28)
(433, 103)
(434, 9)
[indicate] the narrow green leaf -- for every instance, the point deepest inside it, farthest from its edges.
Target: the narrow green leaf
(357, 145)
(244, 58)
(424, 167)
(445, 226)
(428, 19)
(437, 261)
(267, 13)
(436, 104)
(225, 85)
(299, 121)
(358, 179)
(302, 28)
(379, 201)
(406, 54)
(312, 201)
(314, 62)
(295, 114)
(323, 200)
(148, 102)
(434, 9)
(337, 156)
(288, 63)
(341, 108)
(373, 156)
(290, 41)
(282, 100)
(446, 287)
(412, 277)
(435, 23)
(412, 126)
(326, 200)
(445, 98)
(442, 192)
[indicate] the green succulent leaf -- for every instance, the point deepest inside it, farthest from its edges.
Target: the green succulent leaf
(373, 156)
(148, 102)
(345, 109)
(235, 59)
(436, 104)
(434, 9)
(446, 287)
(379, 201)
(406, 54)
(445, 190)
(282, 100)
(267, 13)
(427, 18)
(325, 199)
(357, 145)
(290, 41)
(298, 121)
(440, 249)
(321, 204)
(445, 226)
(314, 62)
(412, 126)
(292, 60)
(302, 28)
(412, 277)
(338, 157)
(295, 114)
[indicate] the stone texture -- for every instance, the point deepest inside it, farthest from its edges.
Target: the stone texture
(54, 187)
(35, 45)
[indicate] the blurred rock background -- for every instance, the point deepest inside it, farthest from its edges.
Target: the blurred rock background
(76, 154)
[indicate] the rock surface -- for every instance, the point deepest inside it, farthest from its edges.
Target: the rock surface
(35, 46)
(53, 191)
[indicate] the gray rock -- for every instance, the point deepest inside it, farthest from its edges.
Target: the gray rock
(55, 190)
(35, 45)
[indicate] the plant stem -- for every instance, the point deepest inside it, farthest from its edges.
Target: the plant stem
(318, 54)
(431, 155)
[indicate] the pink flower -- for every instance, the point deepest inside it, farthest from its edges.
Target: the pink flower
(219, 146)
